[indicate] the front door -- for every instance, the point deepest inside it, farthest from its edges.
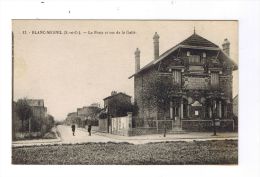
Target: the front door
(196, 110)
(176, 117)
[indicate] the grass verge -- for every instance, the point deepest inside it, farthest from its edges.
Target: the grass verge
(163, 153)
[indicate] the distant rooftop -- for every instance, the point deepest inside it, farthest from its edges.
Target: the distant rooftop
(116, 94)
(35, 102)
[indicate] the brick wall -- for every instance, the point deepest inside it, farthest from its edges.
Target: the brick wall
(147, 109)
(207, 125)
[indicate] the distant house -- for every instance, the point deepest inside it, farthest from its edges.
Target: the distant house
(84, 115)
(36, 120)
(117, 104)
(38, 108)
(89, 114)
(72, 118)
(95, 105)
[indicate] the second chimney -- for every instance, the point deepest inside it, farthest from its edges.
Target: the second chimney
(156, 45)
(137, 60)
(226, 46)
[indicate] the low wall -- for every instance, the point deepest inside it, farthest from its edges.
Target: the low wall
(102, 125)
(207, 125)
(95, 128)
(150, 131)
(144, 131)
(121, 125)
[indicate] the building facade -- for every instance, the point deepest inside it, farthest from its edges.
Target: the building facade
(84, 116)
(117, 104)
(38, 109)
(195, 78)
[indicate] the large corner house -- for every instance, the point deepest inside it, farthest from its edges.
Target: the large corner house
(201, 76)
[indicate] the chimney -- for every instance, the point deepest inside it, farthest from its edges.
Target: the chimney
(156, 45)
(226, 46)
(137, 60)
(113, 93)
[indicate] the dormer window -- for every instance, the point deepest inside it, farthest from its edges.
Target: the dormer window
(194, 59)
(204, 55)
(188, 53)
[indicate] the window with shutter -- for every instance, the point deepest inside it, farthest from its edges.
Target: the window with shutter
(176, 77)
(194, 59)
(214, 80)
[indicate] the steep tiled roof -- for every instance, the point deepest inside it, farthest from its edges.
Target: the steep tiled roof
(194, 41)
(197, 40)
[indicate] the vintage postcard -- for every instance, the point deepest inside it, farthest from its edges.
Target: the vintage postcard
(125, 92)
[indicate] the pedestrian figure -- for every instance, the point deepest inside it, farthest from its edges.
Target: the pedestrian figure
(73, 129)
(89, 130)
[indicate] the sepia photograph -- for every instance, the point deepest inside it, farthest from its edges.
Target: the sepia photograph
(125, 92)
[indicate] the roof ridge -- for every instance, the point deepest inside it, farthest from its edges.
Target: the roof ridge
(116, 95)
(195, 38)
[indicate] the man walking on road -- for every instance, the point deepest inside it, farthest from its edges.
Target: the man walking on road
(73, 129)
(89, 130)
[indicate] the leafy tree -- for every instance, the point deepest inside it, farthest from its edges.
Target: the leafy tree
(23, 111)
(36, 124)
(119, 107)
(47, 123)
(158, 94)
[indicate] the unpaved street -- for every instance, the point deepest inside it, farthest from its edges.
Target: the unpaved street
(81, 136)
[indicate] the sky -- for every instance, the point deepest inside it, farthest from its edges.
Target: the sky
(74, 70)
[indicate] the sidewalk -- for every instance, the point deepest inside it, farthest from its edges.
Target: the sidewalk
(190, 136)
(37, 142)
(81, 136)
